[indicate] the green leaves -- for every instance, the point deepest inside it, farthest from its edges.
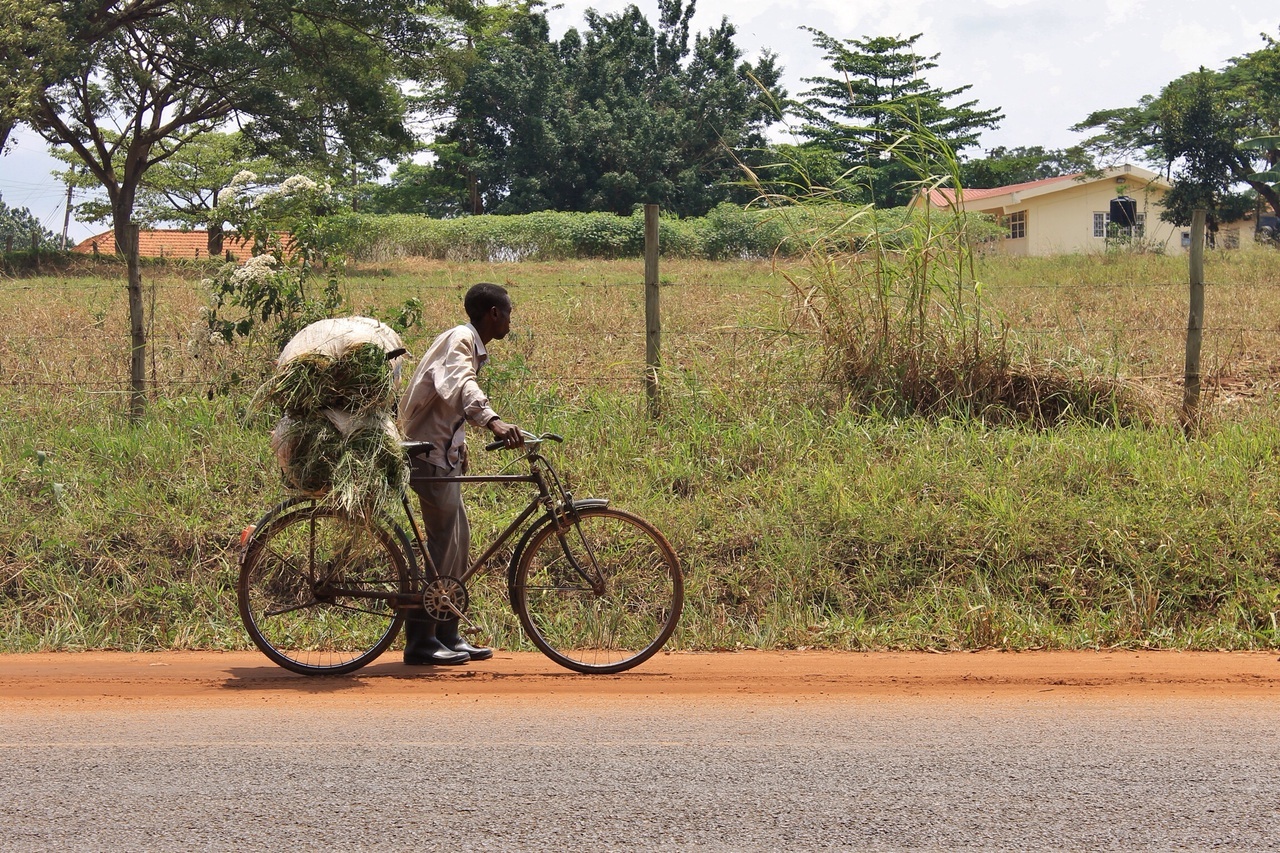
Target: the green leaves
(874, 105)
(618, 114)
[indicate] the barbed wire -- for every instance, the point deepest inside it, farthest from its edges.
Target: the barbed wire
(672, 338)
(401, 289)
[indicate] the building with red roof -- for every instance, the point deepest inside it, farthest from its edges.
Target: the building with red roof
(188, 245)
(1070, 213)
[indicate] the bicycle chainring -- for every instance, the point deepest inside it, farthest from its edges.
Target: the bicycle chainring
(444, 599)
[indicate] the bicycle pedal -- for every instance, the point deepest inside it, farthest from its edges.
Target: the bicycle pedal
(472, 631)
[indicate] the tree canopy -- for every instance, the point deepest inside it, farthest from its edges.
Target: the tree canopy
(619, 113)
(19, 229)
(1002, 166)
(140, 79)
(877, 101)
(1197, 131)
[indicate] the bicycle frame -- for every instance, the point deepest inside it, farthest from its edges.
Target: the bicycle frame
(544, 500)
(539, 501)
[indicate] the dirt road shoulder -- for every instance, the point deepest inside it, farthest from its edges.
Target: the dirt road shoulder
(248, 678)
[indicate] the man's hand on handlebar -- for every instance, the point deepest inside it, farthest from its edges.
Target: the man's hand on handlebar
(509, 434)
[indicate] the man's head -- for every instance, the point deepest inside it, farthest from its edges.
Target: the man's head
(489, 308)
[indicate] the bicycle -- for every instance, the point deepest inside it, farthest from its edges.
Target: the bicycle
(596, 589)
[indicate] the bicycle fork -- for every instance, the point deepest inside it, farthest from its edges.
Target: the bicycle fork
(591, 575)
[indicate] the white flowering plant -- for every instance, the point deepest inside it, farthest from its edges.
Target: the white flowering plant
(277, 289)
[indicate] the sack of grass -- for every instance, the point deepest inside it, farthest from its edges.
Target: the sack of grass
(351, 364)
(354, 461)
(335, 383)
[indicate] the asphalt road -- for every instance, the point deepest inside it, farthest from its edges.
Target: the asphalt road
(432, 764)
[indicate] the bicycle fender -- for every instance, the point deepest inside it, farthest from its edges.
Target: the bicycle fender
(246, 535)
(584, 503)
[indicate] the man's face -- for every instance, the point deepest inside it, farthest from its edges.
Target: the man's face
(501, 324)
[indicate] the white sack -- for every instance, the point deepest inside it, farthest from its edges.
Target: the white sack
(333, 337)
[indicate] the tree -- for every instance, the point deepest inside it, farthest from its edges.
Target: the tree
(617, 114)
(187, 186)
(32, 40)
(802, 171)
(427, 189)
(183, 188)
(307, 75)
(1198, 130)
(876, 102)
(1198, 147)
(19, 227)
(1002, 166)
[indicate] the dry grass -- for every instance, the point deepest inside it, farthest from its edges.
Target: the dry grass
(580, 324)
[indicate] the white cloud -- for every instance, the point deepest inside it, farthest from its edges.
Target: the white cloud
(1191, 41)
(1124, 11)
(1039, 63)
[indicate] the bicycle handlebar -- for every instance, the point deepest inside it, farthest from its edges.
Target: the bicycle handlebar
(529, 439)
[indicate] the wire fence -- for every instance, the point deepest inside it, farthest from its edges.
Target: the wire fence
(70, 335)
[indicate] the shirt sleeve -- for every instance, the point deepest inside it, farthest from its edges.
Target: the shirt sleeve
(455, 380)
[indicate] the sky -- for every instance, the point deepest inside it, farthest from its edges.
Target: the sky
(1046, 64)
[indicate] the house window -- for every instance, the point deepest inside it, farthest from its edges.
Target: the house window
(1102, 219)
(1017, 223)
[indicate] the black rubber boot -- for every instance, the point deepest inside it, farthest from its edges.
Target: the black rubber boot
(447, 633)
(422, 648)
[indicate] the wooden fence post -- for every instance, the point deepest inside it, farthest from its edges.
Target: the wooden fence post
(1195, 323)
(652, 320)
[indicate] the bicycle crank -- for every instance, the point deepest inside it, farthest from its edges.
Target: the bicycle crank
(445, 598)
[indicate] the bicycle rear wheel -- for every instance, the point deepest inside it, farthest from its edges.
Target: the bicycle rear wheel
(315, 590)
(604, 598)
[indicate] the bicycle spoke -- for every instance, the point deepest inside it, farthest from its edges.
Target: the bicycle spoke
(284, 610)
(630, 608)
(315, 591)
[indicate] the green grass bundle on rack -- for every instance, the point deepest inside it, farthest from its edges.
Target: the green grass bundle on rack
(338, 437)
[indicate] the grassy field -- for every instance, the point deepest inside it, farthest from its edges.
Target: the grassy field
(800, 522)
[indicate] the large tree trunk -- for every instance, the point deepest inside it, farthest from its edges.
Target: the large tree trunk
(473, 190)
(1269, 195)
(127, 243)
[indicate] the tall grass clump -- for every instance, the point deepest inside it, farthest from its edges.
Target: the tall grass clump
(899, 310)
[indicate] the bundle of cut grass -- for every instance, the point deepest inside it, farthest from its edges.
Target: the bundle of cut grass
(338, 438)
(353, 461)
(359, 380)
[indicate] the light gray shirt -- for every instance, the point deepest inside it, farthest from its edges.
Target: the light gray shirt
(443, 395)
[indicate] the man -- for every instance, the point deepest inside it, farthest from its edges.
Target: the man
(442, 397)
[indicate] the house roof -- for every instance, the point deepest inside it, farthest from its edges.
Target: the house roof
(1018, 193)
(193, 245)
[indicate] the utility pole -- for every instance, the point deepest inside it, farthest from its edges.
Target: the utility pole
(66, 218)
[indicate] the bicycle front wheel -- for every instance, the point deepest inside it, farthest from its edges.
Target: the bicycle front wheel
(316, 589)
(603, 597)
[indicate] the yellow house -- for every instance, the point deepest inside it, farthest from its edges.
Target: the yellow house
(1070, 214)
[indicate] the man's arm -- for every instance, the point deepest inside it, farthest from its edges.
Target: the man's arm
(455, 381)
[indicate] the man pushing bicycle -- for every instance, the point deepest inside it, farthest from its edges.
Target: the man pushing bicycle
(442, 397)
